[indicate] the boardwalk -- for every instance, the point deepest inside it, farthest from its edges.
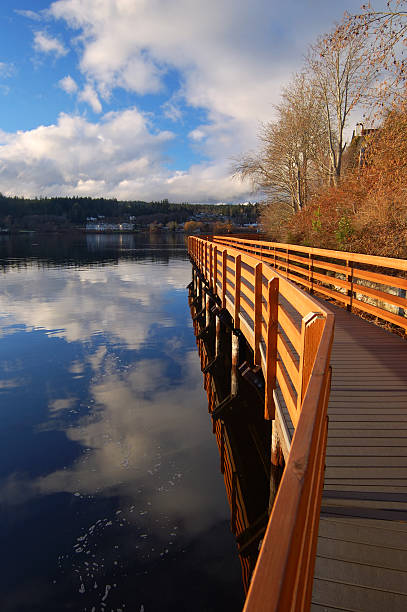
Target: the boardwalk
(362, 545)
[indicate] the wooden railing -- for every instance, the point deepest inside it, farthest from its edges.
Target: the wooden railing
(364, 283)
(291, 336)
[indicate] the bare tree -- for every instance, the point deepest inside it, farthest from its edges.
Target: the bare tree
(385, 32)
(292, 156)
(337, 65)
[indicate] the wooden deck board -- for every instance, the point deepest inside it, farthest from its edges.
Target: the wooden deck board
(362, 545)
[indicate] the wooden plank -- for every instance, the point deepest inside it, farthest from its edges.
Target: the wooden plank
(257, 311)
(367, 461)
(374, 450)
(370, 576)
(271, 349)
(379, 312)
(381, 279)
(381, 295)
(365, 473)
(288, 324)
(369, 426)
(224, 278)
(357, 598)
(357, 552)
(237, 289)
(288, 393)
(290, 361)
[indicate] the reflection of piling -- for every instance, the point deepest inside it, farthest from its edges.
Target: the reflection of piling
(277, 465)
(218, 331)
(207, 310)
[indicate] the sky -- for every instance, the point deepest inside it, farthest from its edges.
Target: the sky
(144, 99)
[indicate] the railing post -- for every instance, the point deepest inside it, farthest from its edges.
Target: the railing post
(349, 278)
(311, 272)
(206, 260)
(215, 269)
(271, 348)
(312, 326)
(210, 267)
(287, 263)
(258, 296)
(238, 271)
(224, 268)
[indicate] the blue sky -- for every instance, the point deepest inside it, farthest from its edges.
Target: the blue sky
(144, 99)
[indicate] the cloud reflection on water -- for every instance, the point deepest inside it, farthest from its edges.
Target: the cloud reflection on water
(120, 466)
(76, 304)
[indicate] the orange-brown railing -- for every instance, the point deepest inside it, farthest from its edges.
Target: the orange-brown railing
(291, 337)
(366, 283)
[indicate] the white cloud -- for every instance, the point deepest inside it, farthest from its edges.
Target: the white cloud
(197, 135)
(29, 14)
(119, 156)
(76, 156)
(228, 60)
(68, 84)
(89, 95)
(44, 43)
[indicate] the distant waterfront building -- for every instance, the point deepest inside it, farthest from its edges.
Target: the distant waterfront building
(109, 227)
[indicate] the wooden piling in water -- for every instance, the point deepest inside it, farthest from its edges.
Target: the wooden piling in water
(234, 367)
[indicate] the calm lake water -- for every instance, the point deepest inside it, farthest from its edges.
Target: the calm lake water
(111, 496)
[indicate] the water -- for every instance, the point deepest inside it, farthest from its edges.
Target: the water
(110, 492)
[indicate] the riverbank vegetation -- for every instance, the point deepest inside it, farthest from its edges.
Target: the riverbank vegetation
(319, 190)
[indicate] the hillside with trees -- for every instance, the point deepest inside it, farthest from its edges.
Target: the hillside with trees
(64, 214)
(319, 190)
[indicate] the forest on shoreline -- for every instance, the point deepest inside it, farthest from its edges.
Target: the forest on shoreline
(70, 213)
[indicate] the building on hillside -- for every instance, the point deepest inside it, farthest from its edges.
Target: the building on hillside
(355, 153)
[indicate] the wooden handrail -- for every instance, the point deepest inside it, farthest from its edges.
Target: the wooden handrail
(353, 279)
(291, 337)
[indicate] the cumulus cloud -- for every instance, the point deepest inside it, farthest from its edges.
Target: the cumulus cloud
(197, 135)
(209, 56)
(76, 156)
(119, 156)
(68, 84)
(44, 43)
(89, 95)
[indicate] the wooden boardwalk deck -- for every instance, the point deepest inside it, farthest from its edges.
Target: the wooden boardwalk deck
(361, 562)
(362, 544)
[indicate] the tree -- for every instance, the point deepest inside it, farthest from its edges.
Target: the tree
(367, 212)
(340, 78)
(290, 163)
(385, 34)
